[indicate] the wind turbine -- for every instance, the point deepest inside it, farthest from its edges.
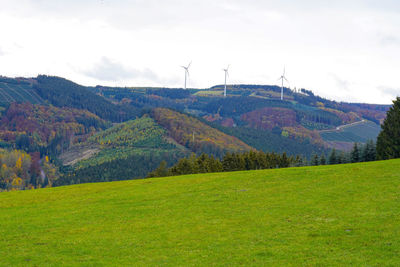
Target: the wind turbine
(186, 71)
(282, 78)
(226, 75)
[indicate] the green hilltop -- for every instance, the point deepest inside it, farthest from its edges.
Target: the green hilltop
(325, 216)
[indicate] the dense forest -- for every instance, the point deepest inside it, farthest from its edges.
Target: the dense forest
(278, 141)
(131, 166)
(63, 93)
(46, 129)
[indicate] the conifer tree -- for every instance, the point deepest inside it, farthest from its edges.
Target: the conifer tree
(369, 151)
(161, 171)
(315, 160)
(355, 154)
(333, 157)
(322, 159)
(388, 142)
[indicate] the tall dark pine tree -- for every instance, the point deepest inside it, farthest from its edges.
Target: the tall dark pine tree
(388, 143)
(355, 154)
(315, 160)
(322, 159)
(333, 157)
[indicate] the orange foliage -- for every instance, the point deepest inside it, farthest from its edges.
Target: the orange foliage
(189, 131)
(349, 117)
(268, 118)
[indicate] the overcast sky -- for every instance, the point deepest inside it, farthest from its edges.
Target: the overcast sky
(342, 50)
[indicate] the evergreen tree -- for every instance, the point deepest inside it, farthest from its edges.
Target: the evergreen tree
(315, 160)
(203, 163)
(355, 154)
(322, 159)
(339, 158)
(215, 165)
(370, 151)
(298, 161)
(161, 171)
(228, 162)
(388, 142)
(333, 157)
(284, 161)
(343, 158)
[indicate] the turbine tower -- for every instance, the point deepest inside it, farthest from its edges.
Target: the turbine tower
(186, 71)
(226, 75)
(282, 78)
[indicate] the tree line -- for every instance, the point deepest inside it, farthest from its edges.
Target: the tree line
(258, 160)
(251, 160)
(359, 153)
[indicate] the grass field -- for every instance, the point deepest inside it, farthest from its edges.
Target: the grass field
(361, 133)
(209, 93)
(318, 216)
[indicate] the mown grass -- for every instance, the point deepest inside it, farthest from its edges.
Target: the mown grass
(322, 216)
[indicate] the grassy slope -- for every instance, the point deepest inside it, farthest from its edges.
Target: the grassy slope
(330, 215)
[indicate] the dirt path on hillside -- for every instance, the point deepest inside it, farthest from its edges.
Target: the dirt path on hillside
(338, 128)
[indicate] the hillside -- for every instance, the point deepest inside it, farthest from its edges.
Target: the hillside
(345, 136)
(125, 151)
(63, 93)
(324, 216)
(47, 129)
(196, 135)
(300, 117)
(55, 117)
(17, 90)
(134, 148)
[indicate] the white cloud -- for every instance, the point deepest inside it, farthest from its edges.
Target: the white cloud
(390, 91)
(109, 70)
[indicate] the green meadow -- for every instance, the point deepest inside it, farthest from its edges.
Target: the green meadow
(311, 216)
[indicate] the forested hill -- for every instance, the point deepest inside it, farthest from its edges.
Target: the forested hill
(135, 148)
(59, 119)
(252, 113)
(63, 93)
(255, 113)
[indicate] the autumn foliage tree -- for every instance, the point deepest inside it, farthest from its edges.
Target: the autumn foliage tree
(20, 171)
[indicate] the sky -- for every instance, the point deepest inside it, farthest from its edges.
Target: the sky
(342, 50)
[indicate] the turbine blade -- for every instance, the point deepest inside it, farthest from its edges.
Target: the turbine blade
(285, 79)
(189, 64)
